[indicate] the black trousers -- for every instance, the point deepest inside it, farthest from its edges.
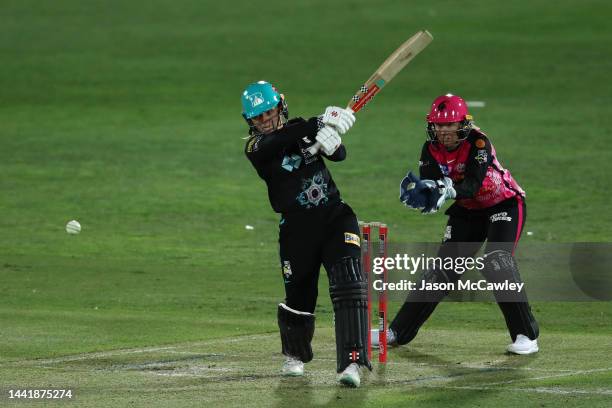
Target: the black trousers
(501, 226)
(310, 239)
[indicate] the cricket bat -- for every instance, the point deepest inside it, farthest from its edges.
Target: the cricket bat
(386, 72)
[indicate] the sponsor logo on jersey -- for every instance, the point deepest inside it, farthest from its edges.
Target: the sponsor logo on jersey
(308, 157)
(501, 216)
(480, 143)
(350, 238)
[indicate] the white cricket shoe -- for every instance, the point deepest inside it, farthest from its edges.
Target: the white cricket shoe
(523, 345)
(374, 337)
(292, 367)
(350, 376)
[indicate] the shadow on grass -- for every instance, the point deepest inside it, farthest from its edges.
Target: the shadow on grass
(464, 385)
(298, 392)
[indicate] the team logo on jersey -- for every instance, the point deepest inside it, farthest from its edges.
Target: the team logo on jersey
(314, 191)
(292, 162)
(481, 156)
(350, 238)
(287, 271)
(501, 216)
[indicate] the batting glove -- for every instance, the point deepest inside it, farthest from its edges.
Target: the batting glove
(341, 119)
(329, 139)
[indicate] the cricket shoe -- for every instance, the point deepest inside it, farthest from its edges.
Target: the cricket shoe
(391, 340)
(523, 345)
(350, 376)
(292, 367)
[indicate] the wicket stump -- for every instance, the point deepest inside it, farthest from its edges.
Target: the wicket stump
(366, 249)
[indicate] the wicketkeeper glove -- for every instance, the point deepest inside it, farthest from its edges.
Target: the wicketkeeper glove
(439, 192)
(341, 119)
(414, 193)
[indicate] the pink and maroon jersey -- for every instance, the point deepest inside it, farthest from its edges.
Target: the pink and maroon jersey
(478, 177)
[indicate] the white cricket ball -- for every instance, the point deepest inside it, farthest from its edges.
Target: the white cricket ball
(73, 227)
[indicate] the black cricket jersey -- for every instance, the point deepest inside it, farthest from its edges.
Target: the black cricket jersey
(296, 180)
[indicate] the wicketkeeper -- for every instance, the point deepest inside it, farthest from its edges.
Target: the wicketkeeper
(459, 162)
(316, 227)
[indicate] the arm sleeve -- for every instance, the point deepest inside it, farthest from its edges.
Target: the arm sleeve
(262, 147)
(339, 154)
(476, 168)
(428, 166)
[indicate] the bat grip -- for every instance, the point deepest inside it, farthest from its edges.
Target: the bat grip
(314, 148)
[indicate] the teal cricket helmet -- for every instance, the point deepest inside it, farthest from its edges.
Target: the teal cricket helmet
(258, 98)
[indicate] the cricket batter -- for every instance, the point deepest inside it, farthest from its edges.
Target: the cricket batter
(459, 162)
(316, 227)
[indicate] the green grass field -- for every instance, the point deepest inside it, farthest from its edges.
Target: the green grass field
(126, 116)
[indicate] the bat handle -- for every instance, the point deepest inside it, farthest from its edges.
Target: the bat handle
(315, 147)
